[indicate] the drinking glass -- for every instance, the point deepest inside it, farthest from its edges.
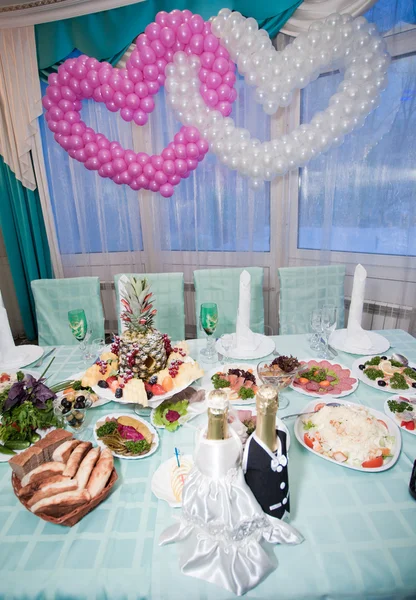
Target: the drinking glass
(209, 321)
(97, 347)
(316, 326)
(74, 420)
(329, 323)
(226, 343)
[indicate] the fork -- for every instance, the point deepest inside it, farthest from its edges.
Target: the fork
(39, 362)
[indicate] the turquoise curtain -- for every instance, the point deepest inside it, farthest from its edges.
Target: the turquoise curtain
(106, 35)
(24, 235)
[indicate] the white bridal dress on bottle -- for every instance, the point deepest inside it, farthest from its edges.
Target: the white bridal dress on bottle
(223, 531)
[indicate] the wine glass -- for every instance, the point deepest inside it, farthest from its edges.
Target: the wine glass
(316, 326)
(209, 321)
(226, 343)
(329, 323)
(79, 327)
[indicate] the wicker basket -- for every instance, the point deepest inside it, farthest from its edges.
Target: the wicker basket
(75, 515)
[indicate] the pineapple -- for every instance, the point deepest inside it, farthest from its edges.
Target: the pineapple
(141, 347)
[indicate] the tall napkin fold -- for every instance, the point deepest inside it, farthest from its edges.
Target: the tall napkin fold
(245, 339)
(357, 339)
(6, 337)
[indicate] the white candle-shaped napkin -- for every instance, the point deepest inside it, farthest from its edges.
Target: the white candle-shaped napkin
(245, 339)
(6, 337)
(357, 338)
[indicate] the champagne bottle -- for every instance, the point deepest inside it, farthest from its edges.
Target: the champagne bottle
(267, 403)
(217, 415)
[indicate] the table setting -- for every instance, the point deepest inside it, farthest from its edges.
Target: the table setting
(158, 497)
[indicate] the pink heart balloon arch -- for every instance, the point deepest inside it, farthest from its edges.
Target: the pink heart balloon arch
(131, 92)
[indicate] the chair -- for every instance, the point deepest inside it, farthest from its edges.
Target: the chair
(55, 297)
(222, 287)
(168, 291)
(303, 289)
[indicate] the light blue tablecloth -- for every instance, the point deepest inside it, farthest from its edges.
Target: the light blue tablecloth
(359, 528)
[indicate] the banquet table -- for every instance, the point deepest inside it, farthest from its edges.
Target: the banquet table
(359, 527)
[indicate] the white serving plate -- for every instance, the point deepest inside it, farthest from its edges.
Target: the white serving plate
(397, 420)
(387, 388)
(379, 344)
(206, 382)
(160, 485)
(116, 415)
(100, 402)
(313, 395)
(20, 356)
(108, 395)
(266, 347)
(194, 410)
(392, 428)
(279, 422)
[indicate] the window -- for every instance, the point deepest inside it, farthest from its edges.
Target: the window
(367, 185)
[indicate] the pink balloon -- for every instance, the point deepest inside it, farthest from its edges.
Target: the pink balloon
(93, 79)
(169, 167)
(157, 161)
(197, 44)
(180, 166)
(225, 108)
(135, 76)
(117, 151)
(64, 127)
(167, 37)
(174, 179)
(162, 18)
(104, 74)
(119, 165)
(142, 158)
(175, 19)
(143, 182)
(92, 64)
(65, 142)
(135, 185)
(149, 171)
(130, 157)
(55, 93)
(207, 59)
(186, 15)
(97, 95)
(213, 81)
(126, 114)
(72, 117)
(154, 186)
(141, 89)
(233, 95)
(126, 178)
(140, 117)
(153, 87)
(220, 66)
(119, 99)
(72, 153)
(127, 86)
(168, 154)
(161, 65)
(91, 149)
(111, 106)
(223, 92)
(53, 125)
(221, 51)
(192, 150)
(211, 98)
(166, 190)
(86, 89)
(104, 155)
(147, 55)
(80, 71)
(184, 33)
(150, 72)
(210, 43)
(196, 24)
(179, 137)
(180, 151)
(147, 104)
(77, 105)
(77, 142)
(92, 164)
(158, 48)
(192, 163)
(80, 155)
(47, 102)
(161, 177)
(191, 134)
(78, 128)
(56, 113)
(203, 146)
(132, 101)
(107, 92)
(134, 169)
(229, 78)
(103, 143)
(115, 81)
(108, 170)
(142, 40)
(153, 31)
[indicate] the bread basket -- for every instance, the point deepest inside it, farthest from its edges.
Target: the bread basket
(75, 515)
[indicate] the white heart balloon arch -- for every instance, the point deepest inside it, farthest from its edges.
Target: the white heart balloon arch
(338, 42)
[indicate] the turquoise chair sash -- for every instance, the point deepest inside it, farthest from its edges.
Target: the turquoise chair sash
(168, 291)
(222, 286)
(55, 297)
(303, 289)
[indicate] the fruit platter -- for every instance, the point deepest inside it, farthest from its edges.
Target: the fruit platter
(386, 374)
(26, 411)
(179, 409)
(349, 435)
(324, 378)
(141, 366)
(126, 435)
(240, 381)
(403, 412)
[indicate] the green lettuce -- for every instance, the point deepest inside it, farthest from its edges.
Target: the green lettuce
(159, 416)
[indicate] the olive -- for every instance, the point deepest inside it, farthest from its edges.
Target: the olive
(66, 410)
(361, 367)
(80, 403)
(66, 403)
(381, 383)
(384, 358)
(81, 398)
(118, 393)
(102, 383)
(414, 384)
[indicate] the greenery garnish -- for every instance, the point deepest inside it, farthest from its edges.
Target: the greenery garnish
(374, 361)
(398, 407)
(218, 382)
(410, 373)
(246, 393)
(373, 374)
(398, 382)
(137, 447)
(308, 425)
(108, 428)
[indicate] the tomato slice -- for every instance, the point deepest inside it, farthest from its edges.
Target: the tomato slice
(308, 441)
(373, 463)
(319, 406)
(383, 423)
(409, 425)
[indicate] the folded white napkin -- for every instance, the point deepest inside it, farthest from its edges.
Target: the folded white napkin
(357, 338)
(6, 338)
(245, 339)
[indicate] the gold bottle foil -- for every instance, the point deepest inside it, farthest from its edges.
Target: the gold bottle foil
(217, 415)
(267, 403)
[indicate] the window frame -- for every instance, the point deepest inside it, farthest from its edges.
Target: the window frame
(383, 266)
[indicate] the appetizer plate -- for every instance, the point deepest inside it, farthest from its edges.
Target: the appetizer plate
(387, 388)
(265, 346)
(279, 422)
(392, 428)
(20, 356)
(161, 481)
(206, 382)
(344, 372)
(116, 415)
(194, 410)
(379, 343)
(107, 394)
(100, 402)
(396, 416)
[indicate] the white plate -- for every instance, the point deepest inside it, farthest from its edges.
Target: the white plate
(206, 382)
(380, 344)
(392, 427)
(387, 388)
(313, 395)
(78, 376)
(194, 410)
(265, 347)
(116, 415)
(397, 420)
(108, 395)
(279, 422)
(20, 356)
(160, 485)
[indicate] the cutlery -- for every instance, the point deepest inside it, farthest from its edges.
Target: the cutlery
(307, 413)
(42, 358)
(400, 358)
(330, 348)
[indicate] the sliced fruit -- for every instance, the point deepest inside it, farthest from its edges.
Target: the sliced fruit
(308, 441)
(158, 390)
(319, 406)
(385, 452)
(409, 425)
(383, 423)
(4, 377)
(148, 386)
(373, 463)
(167, 383)
(325, 383)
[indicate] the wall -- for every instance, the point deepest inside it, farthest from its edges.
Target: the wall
(8, 292)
